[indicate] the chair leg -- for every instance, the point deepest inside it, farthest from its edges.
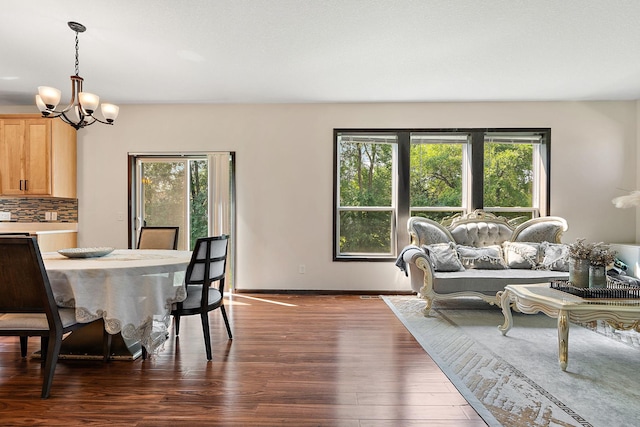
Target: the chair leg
(226, 321)
(23, 346)
(44, 345)
(176, 323)
(52, 350)
(207, 335)
(106, 345)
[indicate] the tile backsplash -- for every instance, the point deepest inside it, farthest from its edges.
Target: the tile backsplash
(32, 209)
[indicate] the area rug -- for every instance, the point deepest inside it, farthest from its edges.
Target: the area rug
(515, 380)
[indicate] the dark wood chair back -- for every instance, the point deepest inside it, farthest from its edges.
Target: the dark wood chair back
(208, 262)
(25, 289)
(23, 279)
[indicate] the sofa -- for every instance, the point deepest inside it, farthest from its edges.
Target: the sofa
(477, 254)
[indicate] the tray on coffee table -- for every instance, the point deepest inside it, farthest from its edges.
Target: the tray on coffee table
(615, 289)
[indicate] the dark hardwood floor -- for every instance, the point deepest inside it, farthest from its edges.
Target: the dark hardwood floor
(295, 360)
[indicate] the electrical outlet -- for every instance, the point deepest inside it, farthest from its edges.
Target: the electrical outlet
(5, 216)
(51, 216)
(302, 269)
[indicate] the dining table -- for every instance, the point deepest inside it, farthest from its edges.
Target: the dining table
(128, 293)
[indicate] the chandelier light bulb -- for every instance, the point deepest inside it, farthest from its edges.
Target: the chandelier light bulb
(110, 111)
(89, 102)
(50, 96)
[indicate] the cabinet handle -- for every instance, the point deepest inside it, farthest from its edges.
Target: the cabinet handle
(21, 185)
(26, 185)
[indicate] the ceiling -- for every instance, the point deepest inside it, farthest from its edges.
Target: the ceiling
(315, 51)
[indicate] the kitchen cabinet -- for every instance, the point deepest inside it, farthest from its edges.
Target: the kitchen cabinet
(37, 157)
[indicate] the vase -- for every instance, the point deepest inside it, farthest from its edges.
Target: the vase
(579, 272)
(597, 277)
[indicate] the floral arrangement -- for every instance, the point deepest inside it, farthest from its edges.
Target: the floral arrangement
(596, 253)
(602, 256)
(580, 249)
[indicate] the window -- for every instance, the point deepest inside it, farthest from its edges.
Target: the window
(512, 176)
(438, 170)
(382, 177)
(365, 189)
(174, 192)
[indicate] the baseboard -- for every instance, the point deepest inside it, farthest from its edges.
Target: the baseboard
(317, 292)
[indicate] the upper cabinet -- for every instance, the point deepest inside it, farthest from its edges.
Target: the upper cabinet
(37, 157)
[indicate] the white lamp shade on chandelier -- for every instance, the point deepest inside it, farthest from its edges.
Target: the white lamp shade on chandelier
(83, 105)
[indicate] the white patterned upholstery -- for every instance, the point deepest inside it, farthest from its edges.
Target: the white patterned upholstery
(478, 229)
(481, 233)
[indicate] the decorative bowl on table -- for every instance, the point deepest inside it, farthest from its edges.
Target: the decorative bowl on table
(85, 252)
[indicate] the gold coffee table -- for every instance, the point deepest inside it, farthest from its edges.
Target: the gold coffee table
(540, 297)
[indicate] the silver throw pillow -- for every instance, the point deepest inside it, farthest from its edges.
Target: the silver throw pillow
(443, 256)
(556, 256)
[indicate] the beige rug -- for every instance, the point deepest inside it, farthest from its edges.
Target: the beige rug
(516, 380)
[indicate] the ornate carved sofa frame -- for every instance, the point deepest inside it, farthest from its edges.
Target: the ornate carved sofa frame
(477, 229)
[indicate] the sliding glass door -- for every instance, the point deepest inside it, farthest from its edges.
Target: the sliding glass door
(192, 191)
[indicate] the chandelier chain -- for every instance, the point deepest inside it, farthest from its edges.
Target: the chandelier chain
(77, 61)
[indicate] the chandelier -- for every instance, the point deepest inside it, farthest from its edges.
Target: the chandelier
(80, 111)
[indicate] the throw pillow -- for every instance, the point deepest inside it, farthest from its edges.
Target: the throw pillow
(556, 256)
(521, 254)
(443, 256)
(487, 258)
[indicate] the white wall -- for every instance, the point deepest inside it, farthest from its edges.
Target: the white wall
(284, 174)
(637, 187)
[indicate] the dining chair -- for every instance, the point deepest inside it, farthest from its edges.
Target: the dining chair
(23, 340)
(28, 303)
(154, 237)
(207, 266)
(158, 238)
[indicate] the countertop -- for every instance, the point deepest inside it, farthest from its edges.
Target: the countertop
(38, 227)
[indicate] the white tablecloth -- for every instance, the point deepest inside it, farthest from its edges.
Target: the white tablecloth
(132, 290)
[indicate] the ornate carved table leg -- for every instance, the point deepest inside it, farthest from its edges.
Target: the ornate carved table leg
(505, 302)
(563, 339)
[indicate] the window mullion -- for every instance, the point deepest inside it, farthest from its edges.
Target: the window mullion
(402, 192)
(477, 170)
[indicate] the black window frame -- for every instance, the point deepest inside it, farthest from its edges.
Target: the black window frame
(403, 208)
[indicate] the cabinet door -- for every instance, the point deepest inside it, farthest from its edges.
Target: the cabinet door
(38, 157)
(13, 155)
